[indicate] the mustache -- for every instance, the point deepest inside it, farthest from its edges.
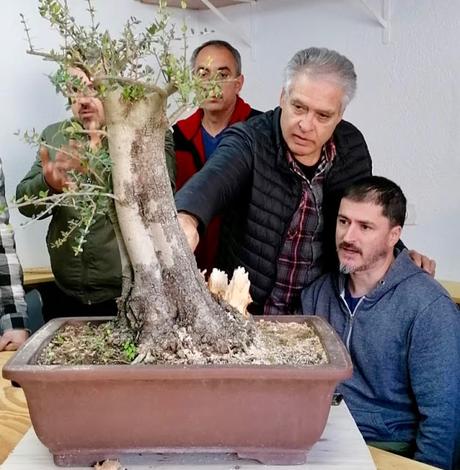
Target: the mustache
(349, 246)
(86, 107)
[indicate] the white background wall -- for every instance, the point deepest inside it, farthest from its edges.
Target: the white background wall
(407, 105)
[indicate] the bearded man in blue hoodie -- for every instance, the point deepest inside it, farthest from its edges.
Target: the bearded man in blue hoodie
(400, 326)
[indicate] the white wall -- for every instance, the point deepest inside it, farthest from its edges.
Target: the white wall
(407, 103)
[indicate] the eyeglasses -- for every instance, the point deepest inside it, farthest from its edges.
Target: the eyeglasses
(218, 76)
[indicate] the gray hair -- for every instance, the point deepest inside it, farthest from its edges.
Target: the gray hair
(319, 62)
(219, 43)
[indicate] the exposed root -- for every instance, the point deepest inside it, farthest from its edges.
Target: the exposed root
(192, 344)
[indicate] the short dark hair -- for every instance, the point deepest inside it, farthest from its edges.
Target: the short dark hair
(382, 192)
(219, 43)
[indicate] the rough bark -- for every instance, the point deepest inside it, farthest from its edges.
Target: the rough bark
(167, 301)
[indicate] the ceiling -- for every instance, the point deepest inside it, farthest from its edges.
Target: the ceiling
(198, 4)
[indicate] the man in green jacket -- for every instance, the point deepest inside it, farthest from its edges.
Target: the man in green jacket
(89, 283)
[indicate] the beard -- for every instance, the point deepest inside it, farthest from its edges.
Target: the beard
(347, 269)
(367, 263)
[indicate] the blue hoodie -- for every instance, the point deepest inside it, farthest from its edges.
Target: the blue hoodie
(404, 341)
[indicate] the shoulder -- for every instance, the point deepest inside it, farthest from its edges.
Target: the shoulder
(258, 135)
(424, 290)
(325, 287)
(242, 112)
(435, 315)
(349, 139)
(258, 126)
(418, 290)
(254, 112)
(353, 160)
(347, 129)
(57, 128)
(187, 128)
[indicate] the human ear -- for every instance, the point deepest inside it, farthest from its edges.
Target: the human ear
(239, 81)
(395, 235)
(282, 98)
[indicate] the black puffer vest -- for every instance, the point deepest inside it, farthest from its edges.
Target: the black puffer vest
(249, 180)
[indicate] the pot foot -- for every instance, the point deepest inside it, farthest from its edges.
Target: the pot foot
(82, 459)
(275, 457)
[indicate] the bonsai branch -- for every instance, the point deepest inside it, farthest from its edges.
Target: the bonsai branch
(130, 81)
(47, 55)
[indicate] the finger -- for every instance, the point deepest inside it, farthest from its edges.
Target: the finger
(11, 346)
(192, 238)
(195, 240)
(44, 155)
(3, 342)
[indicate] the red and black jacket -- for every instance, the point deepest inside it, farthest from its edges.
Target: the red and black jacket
(190, 158)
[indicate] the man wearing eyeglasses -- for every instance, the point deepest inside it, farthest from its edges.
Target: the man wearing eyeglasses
(196, 137)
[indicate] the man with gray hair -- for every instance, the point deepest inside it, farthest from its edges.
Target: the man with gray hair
(279, 178)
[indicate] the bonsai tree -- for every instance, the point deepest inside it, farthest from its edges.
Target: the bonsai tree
(165, 299)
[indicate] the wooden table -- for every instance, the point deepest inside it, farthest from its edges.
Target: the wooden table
(15, 422)
(33, 276)
(453, 288)
(14, 415)
(388, 461)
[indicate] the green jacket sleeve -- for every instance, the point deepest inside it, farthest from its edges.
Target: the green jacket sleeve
(31, 185)
(34, 182)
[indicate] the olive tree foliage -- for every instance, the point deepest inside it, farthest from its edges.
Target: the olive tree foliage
(164, 298)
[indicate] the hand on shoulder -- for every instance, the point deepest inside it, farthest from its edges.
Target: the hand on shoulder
(422, 261)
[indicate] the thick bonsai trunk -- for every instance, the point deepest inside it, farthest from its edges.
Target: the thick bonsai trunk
(168, 301)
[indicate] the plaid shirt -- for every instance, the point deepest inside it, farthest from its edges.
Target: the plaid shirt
(299, 262)
(13, 308)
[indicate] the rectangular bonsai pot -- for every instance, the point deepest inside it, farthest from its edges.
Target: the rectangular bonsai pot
(85, 414)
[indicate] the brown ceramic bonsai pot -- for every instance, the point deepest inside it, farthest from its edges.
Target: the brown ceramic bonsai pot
(85, 414)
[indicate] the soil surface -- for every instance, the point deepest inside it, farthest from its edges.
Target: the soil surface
(109, 343)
